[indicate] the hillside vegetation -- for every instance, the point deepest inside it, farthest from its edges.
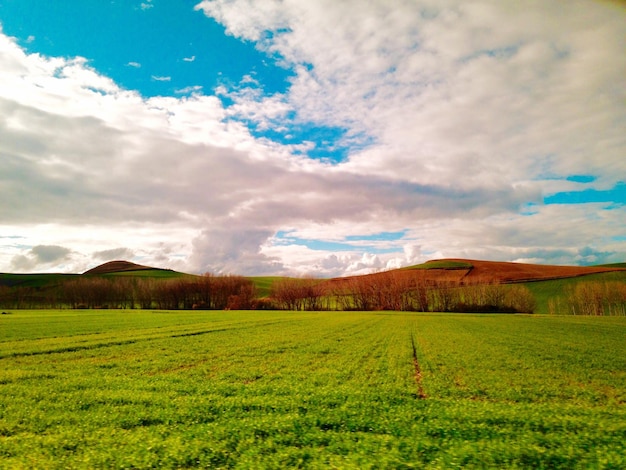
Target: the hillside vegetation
(507, 272)
(118, 267)
(449, 285)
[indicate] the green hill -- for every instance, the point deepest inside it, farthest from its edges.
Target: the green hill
(112, 268)
(146, 273)
(548, 284)
(117, 267)
(442, 264)
(34, 280)
(613, 265)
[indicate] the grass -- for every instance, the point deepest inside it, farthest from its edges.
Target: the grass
(145, 389)
(264, 284)
(54, 279)
(442, 264)
(146, 273)
(34, 280)
(614, 265)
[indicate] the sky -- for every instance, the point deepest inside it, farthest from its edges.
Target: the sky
(318, 138)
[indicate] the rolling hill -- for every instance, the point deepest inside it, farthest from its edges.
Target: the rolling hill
(120, 266)
(507, 272)
(546, 282)
(468, 271)
(111, 268)
(453, 269)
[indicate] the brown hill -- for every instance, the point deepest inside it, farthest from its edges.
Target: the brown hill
(505, 272)
(116, 267)
(478, 272)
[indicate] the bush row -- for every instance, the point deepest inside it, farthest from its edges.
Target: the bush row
(590, 298)
(401, 291)
(202, 292)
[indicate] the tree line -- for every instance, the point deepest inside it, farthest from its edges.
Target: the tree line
(197, 292)
(401, 291)
(394, 290)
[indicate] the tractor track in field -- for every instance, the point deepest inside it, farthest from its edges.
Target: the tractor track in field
(107, 343)
(421, 394)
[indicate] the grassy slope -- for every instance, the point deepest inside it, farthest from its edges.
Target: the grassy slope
(543, 290)
(264, 284)
(442, 264)
(45, 280)
(147, 273)
(34, 280)
(614, 265)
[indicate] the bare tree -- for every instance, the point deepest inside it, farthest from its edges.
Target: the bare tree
(444, 296)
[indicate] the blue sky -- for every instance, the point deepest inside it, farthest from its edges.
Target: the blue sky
(157, 48)
(318, 138)
(164, 48)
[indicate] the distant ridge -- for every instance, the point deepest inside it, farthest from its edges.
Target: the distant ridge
(448, 269)
(119, 266)
(507, 272)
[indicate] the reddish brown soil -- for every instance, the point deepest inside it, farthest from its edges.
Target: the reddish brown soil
(491, 271)
(521, 272)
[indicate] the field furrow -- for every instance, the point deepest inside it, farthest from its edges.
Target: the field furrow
(311, 390)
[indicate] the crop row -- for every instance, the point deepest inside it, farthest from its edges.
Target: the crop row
(234, 389)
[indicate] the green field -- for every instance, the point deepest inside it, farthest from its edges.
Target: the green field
(143, 389)
(441, 264)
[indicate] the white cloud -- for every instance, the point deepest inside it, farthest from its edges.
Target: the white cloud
(189, 59)
(472, 92)
(159, 78)
(473, 111)
(40, 256)
(159, 245)
(134, 64)
(114, 254)
(189, 89)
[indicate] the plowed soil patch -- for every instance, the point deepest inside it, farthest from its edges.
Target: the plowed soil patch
(479, 272)
(520, 272)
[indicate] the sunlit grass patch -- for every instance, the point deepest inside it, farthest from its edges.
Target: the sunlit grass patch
(143, 389)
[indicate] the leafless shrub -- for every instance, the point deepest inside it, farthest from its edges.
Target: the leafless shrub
(597, 298)
(298, 294)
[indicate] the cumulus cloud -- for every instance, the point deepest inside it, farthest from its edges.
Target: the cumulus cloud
(463, 117)
(40, 256)
(453, 91)
(114, 254)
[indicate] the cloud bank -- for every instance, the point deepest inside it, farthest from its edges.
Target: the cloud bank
(461, 121)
